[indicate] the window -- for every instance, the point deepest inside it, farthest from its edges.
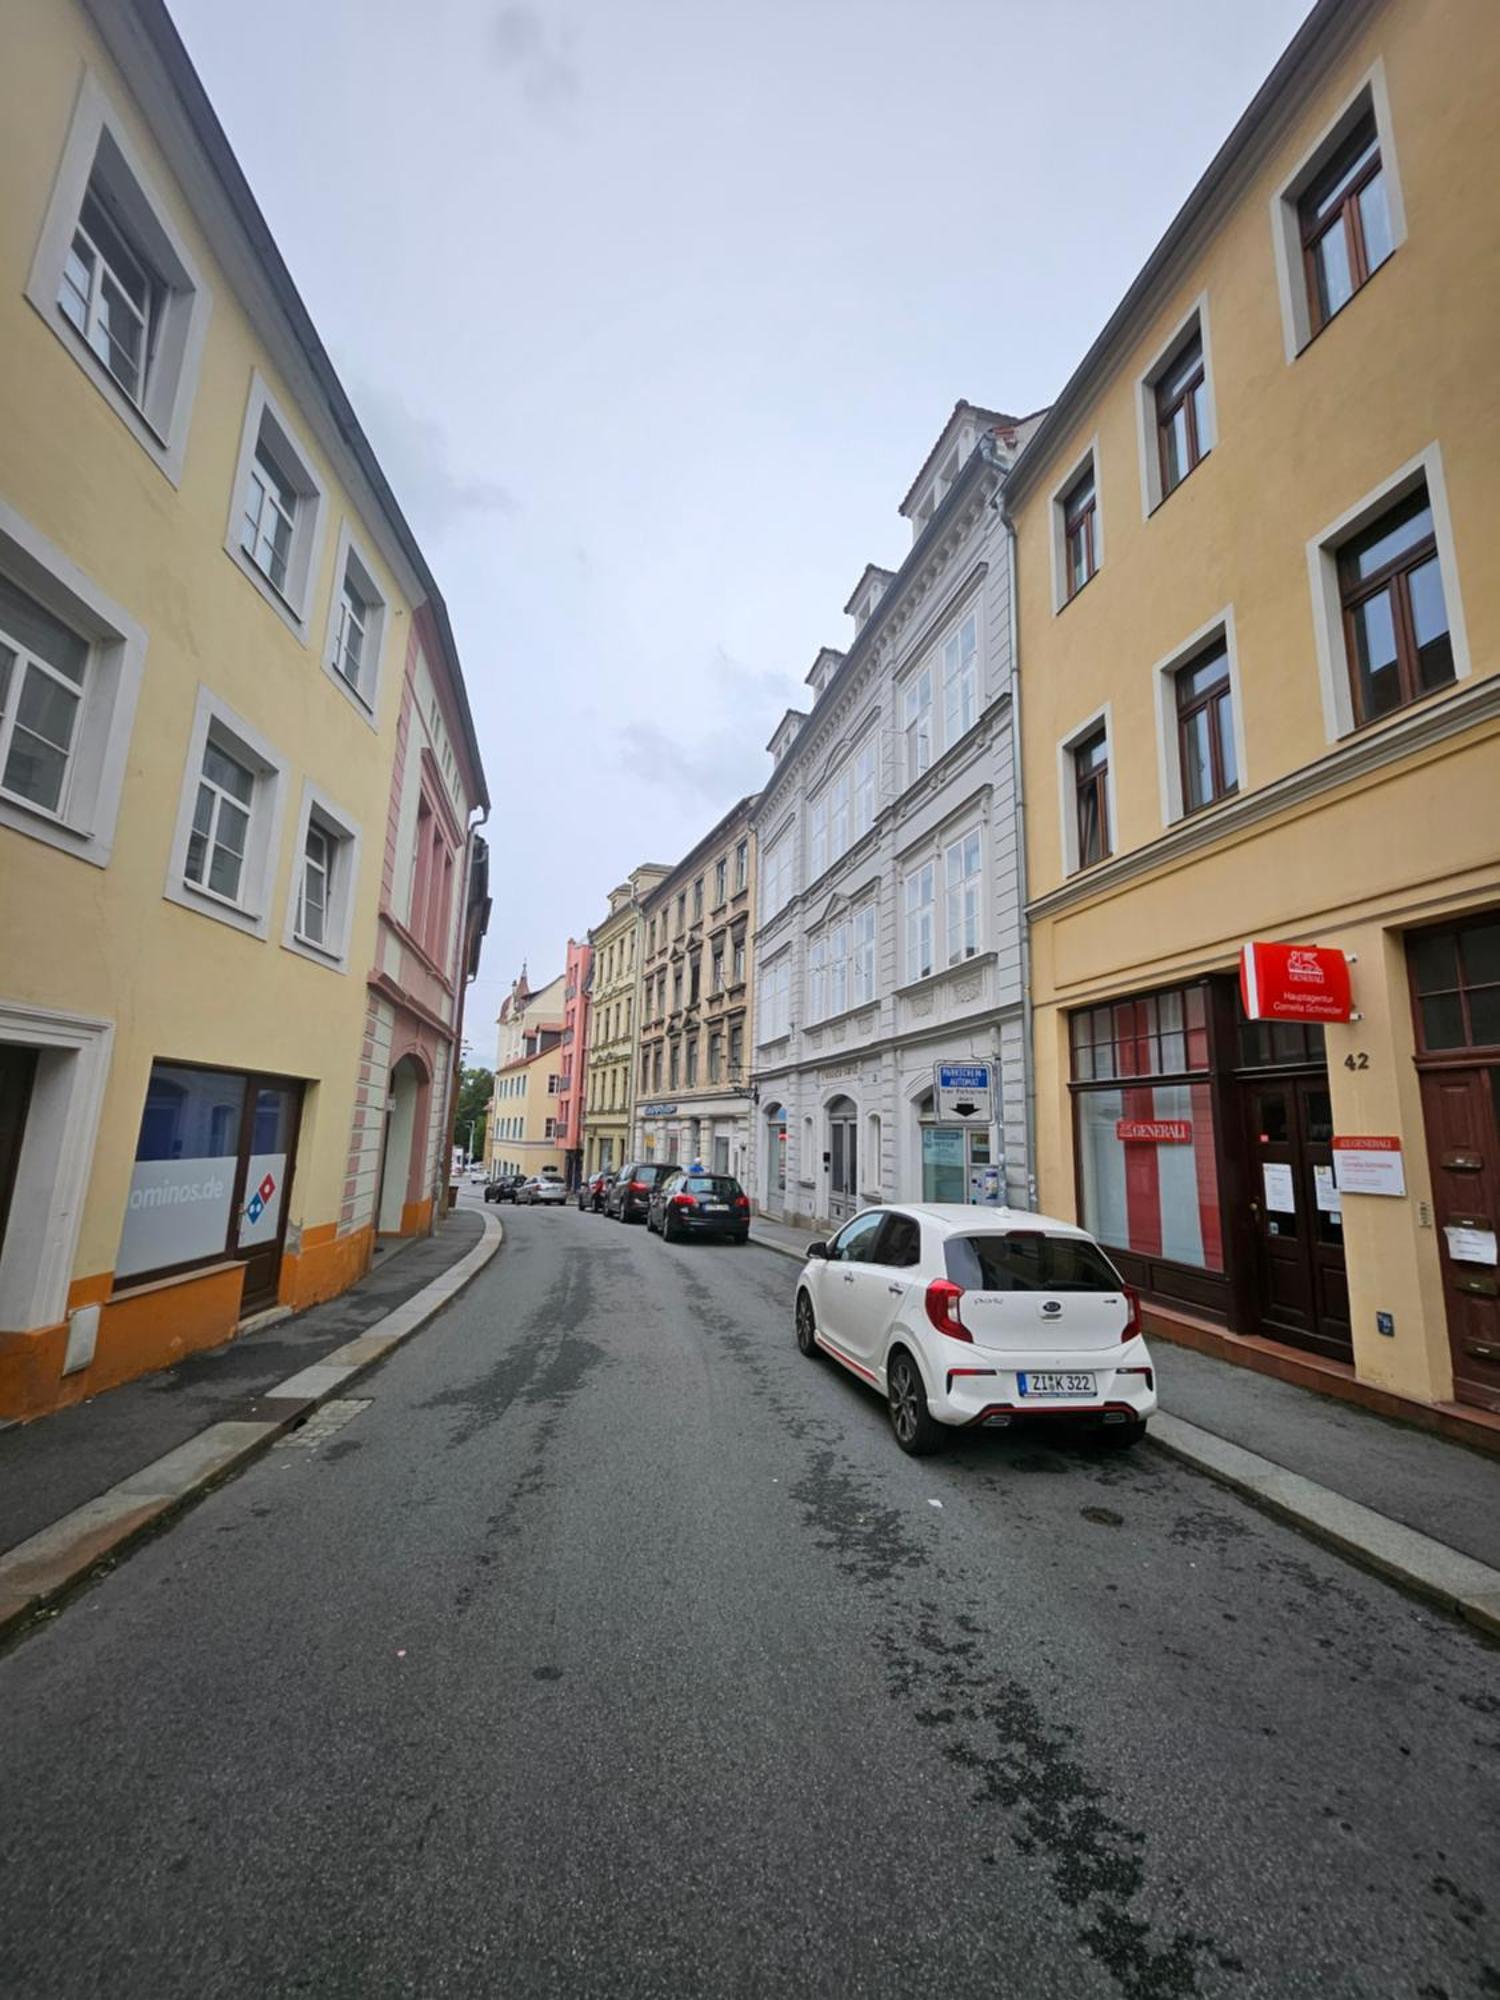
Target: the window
(776, 876)
(221, 824)
(43, 667)
(549, 1130)
(775, 1001)
(698, 899)
(682, 913)
(114, 282)
(1182, 427)
(741, 866)
(838, 968)
(677, 991)
(721, 882)
(862, 980)
(1205, 729)
(356, 626)
(736, 1052)
(961, 868)
(656, 1069)
(900, 1243)
(432, 873)
(1455, 975)
(917, 722)
(960, 681)
(314, 885)
(718, 970)
(738, 976)
(864, 790)
(817, 838)
(715, 1049)
(672, 1066)
(278, 511)
(1080, 530)
(920, 922)
(1397, 639)
(695, 968)
(817, 979)
(691, 1077)
(1345, 222)
(1091, 793)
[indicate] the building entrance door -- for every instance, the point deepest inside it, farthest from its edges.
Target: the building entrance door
(1297, 1222)
(1461, 1109)
(268, 1155)
(843, 1159)
(17, 1070)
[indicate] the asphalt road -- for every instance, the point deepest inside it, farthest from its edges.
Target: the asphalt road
(612, 1648)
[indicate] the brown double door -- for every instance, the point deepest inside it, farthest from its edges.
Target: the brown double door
(1296, 1218)
(1461, 1109)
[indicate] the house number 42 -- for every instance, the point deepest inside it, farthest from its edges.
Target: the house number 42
(1359, 1060)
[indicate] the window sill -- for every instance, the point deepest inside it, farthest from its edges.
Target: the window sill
(317, 954)
(1160, 500)
(930, 979)
(164, 455)
(1073, 596)
(206, 904)
(1317, 332)
(294, 620)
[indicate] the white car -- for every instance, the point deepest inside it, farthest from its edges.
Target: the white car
(964, 1316)
(543, 1188)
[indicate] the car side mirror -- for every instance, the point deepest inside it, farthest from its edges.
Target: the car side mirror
(818, 1250)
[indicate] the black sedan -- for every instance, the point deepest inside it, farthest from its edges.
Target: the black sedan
(629, 1194)
(689, 1204)
(504, 1187)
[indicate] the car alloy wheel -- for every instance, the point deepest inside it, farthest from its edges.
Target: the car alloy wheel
(911, 1420)
(807, 1326)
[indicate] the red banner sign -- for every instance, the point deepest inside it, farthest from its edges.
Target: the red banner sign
(1155, 1131)
(1294, 982)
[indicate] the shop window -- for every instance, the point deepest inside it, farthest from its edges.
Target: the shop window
(1455, 976)
(1160, 1034)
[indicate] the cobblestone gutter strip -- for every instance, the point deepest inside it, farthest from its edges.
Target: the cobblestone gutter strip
(1390, 1548)
(40, 1570)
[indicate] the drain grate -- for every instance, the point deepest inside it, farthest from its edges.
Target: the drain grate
(323, 1422)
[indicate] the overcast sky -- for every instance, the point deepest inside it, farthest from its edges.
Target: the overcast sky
(652, 309)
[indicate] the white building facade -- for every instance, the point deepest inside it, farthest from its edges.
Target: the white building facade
(890, 902)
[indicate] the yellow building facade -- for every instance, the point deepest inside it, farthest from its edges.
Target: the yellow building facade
(212, 620)
(1259, 618)
(614, 1017)
(525, 1123)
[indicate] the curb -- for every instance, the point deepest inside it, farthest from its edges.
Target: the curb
(40, 1570)
(1402, 1555)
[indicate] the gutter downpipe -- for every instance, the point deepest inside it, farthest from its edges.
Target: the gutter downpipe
(1018, 786)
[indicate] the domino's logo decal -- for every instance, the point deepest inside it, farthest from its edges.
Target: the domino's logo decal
(256, 1207)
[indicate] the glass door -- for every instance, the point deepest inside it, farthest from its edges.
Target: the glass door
(269, 1142)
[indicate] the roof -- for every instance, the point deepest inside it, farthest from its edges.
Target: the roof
(1327, 19)
(166, 45)
(869, 570)
(824, 653)
(739, 810)
(792, 714)
(987, 420)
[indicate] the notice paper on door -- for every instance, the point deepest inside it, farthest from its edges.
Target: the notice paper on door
(1281, 1197)
(1330, 1202)
(1471, 1246)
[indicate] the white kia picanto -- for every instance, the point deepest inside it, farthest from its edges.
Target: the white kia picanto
(965, 1316)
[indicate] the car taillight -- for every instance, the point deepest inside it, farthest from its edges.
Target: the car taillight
(943, 1298)
(640, 1187)
(742, 1201)
(1133, 1313)
(684, 1201)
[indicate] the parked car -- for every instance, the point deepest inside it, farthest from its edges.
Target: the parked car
(964, 1317)
(630, 1195)
(689, 1204)
(504, 1187)
(548, 1189)
(591, 1192)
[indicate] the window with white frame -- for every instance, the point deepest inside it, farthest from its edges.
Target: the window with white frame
(71, 664)
(356, 626)
(817, 979)
(962, 870)
(916, 713)
(228, 820)
(738, 978)
(960, 681)
(322, 900)
(817, 837)
(741, 866)
(864, 790)
(774, 1017)
(862, 966)
(315, 884)
(115, 282)
(278, 510)
(920, 921)
(776, 875)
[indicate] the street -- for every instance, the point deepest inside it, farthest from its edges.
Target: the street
(612, 1647)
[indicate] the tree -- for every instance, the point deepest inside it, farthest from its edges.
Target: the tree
(475, 1089)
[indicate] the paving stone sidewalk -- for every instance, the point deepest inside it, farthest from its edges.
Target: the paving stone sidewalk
(57, 1463)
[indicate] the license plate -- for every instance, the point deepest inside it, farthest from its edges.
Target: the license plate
(1055, 1385)
(716, 1207)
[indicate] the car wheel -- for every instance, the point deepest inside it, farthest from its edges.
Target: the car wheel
(666, 1226)
(807, 1327)
(1118, 1437)
(906, 1394)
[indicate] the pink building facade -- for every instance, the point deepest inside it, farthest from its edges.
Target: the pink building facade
(578, 976)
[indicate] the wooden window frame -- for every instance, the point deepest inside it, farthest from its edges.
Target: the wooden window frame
(1468, 1052)
(1346, 217)
(1080, 520)
(1393, 577)
(1095, 781)
(1184, 399)
(1220, 694)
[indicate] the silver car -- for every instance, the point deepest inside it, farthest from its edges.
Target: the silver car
(548, 1189)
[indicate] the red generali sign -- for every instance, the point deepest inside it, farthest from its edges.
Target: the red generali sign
(1155, 1131)
(1294, 982)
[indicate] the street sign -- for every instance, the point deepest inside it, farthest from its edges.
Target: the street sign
(1294, 982)
(961, 1091)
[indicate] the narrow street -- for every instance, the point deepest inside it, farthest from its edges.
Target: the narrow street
(612, 1647)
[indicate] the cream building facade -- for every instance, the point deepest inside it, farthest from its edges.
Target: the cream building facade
(693, 1060)
(211, 613)
(613, 1018)
(1260, 665)
(525, 1124)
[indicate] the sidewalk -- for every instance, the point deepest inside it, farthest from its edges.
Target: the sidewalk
(59, 1463)
(1406, 1502)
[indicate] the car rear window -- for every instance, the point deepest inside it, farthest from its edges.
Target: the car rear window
(1029, 1260)
(719, 1185)
(652, 1171)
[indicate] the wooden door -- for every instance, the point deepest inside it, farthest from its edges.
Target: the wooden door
(268, 1152)
(17, 1070)
(1302, 1293)
(1461, 1110)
